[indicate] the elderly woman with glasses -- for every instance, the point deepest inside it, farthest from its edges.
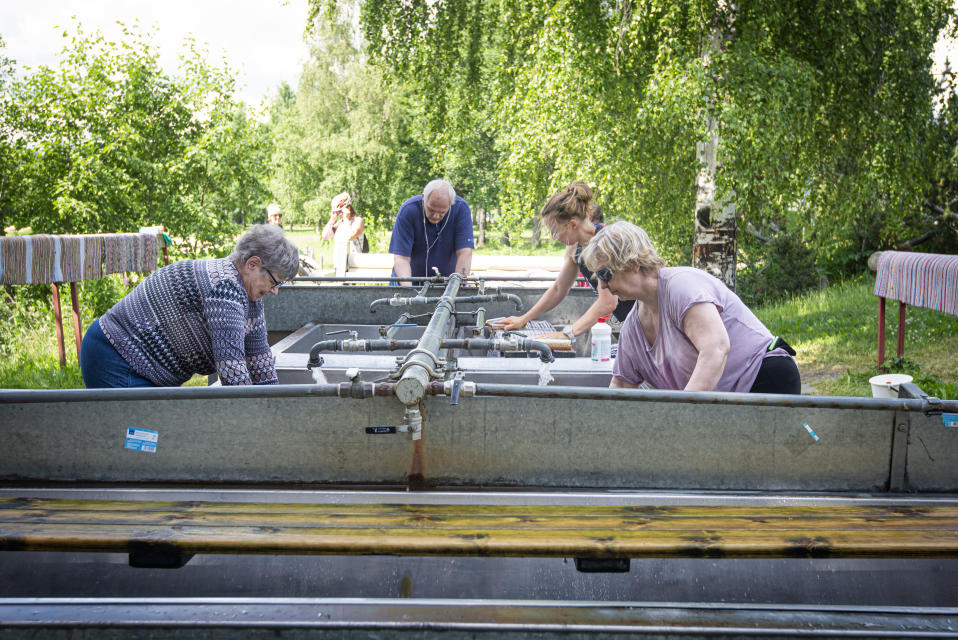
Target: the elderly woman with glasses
(687, 329)
(568, 215)
(194, 316)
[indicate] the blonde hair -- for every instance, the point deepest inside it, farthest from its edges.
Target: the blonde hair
(621, 246)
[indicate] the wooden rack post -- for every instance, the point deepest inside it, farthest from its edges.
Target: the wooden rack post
(75, 300)
(58, 320)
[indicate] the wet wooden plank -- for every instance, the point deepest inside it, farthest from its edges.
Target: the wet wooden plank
(529, 519)
(483, 542)
(483, 530)
(477, 510)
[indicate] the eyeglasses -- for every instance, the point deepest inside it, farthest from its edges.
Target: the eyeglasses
(555, 230)
(276, 283)
(604, 274)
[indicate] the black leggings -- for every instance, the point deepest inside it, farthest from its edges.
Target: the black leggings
(778, 374)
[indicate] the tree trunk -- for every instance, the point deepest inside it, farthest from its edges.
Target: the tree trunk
(714, 247)
(482, 227)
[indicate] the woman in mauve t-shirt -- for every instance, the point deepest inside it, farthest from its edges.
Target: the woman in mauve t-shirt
(687, 331)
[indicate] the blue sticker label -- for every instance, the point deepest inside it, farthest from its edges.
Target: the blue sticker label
(950, 419)
(141, 439)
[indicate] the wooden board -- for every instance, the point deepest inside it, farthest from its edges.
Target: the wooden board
(480, 530)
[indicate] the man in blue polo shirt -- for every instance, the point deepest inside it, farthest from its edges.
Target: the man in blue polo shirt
(432, 230)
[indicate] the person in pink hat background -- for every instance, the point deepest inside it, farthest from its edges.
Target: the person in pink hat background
(345, 229)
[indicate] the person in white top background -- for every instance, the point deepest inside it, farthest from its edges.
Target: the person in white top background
(345, 229)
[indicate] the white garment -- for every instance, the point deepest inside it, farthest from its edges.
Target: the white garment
(342, 246)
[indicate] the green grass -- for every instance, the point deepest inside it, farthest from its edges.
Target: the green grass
(28, 348)
(29, 357)
(310, 243)
(833, 330)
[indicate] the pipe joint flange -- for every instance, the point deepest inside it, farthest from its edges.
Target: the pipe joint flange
(438, 363)
(434, 373)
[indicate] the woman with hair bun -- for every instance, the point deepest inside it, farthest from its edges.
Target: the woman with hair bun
(568, 215)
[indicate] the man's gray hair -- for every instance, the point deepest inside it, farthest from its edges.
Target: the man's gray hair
(432, 185)
(268, 242)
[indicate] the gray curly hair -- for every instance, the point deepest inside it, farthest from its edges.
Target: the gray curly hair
(268, 242)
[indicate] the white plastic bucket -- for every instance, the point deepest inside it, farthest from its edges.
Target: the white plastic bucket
(886, 385)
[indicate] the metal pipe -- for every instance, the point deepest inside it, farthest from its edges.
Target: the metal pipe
(545, 352)
(922, 405)
(492, 297)
(34, 396)
(418, 279)
(341, 390)
(502, 344)
(422, 360)
(350, 346)
(397, 301)
(394, 327)
(480, 320)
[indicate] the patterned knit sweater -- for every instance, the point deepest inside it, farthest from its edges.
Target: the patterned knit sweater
(192, 317)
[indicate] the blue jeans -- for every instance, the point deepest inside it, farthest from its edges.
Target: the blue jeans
(102, 367)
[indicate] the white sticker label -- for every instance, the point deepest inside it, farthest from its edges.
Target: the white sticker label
(950, 419)
(141, 439)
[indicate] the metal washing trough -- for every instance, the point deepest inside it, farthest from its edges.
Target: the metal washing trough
(570, 445)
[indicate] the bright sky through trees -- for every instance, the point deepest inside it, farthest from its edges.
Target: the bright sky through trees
(260, 39)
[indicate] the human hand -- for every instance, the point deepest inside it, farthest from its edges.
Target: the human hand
(513, 322)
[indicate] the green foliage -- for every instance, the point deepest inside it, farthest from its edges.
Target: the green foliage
(28, 351)
(99, 296)
(344, 131)
(834, 331)
(107, 142)
(826, 112)
(787, 268)
(853, 382)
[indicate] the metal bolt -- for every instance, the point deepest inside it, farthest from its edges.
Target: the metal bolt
(901, 427)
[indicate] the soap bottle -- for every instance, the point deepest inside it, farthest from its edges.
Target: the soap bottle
(601, 342)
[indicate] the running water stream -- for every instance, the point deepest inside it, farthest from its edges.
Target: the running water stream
(318, 376)
(545, 374)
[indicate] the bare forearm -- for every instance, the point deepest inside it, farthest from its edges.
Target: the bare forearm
(601, 307)
(403, 268)
(708, 370)
(619, 383)
(464, 262)
(546, 303)
(359, 232)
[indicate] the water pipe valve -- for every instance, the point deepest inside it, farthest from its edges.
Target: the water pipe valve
(355, 345)
(458, 387)
(412, 425)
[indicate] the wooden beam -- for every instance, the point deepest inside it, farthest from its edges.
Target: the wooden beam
(481, 530)
(58, 321)
(77, 328)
